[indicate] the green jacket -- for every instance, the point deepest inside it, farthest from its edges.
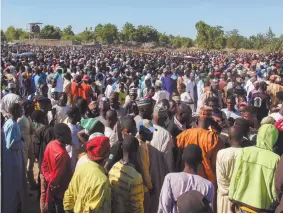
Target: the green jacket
(252, 184)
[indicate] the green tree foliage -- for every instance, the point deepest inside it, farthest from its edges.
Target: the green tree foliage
(87, 35)
(50, 32)
(209, 37)
(11, 33)
(67, 33)
(179, 42)
(163, 39)
(146, 33)
(234, 39)
(128, 33)
(107, 33)
(15, 34)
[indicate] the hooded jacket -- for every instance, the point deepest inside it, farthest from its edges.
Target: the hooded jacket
(252, 183)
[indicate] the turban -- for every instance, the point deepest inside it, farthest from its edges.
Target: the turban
(98, 148)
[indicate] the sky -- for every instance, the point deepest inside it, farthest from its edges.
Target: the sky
(176, 17)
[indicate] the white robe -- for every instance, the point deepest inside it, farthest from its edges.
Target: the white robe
(225, 163)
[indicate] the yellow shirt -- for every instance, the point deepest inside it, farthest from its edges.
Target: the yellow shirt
(89, 190)
(144, 164)
(127, 189)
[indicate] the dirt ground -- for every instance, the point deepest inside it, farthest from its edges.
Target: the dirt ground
(33, 199)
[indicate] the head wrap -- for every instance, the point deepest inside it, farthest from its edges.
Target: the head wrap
(98, 148)
(89, 124)
(160, 110)
(95, 134)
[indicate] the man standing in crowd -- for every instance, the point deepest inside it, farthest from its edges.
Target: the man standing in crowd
(252, 183)
(126, 182)
(89, 189)
(56, 168)
(14, 168)
(9, 99)
(176, 184)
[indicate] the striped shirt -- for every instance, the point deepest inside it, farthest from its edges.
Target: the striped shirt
(127, 189)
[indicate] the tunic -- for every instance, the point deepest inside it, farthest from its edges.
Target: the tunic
(89, 190)
(175, 184)
(225, 162)
(14, 186)
(161, 161)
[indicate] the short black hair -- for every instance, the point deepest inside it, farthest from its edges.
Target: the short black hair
(250, 109)
(73, 111)
(192, 155)
(38, 116)
(14, 107)
(211, 99)
(232, 98)
(128, 122)
(130, 144)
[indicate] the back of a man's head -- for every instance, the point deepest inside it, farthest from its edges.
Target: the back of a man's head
(130, 144)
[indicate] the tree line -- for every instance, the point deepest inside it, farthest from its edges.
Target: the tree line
(208, 37)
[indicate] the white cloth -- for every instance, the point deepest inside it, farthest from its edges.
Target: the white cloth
(6, 102)
(186, 97)
(161, 161)
(111, 135)
(59, 83)
(277, 116)
(26, 130)
(61, 113)
(74, 149)
(161, 95)
(108, 91)
(225, 163)
(190, 88)
(200, 87)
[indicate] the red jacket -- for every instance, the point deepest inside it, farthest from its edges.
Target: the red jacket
(56, 169)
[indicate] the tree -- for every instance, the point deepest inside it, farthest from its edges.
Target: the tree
(146, 34)
(209, 37)
(233, 39)
(110, 33)
(87, 35)
(50, 32)
(67, 33)
(11, 33)
(270, 35)
(163, 39)
(128, 32)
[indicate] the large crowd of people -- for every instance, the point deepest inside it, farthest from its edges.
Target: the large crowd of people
(114, 130)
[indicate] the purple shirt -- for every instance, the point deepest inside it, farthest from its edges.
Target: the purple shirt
(175, 184)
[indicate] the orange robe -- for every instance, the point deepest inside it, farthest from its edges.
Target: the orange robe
(209, 143)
